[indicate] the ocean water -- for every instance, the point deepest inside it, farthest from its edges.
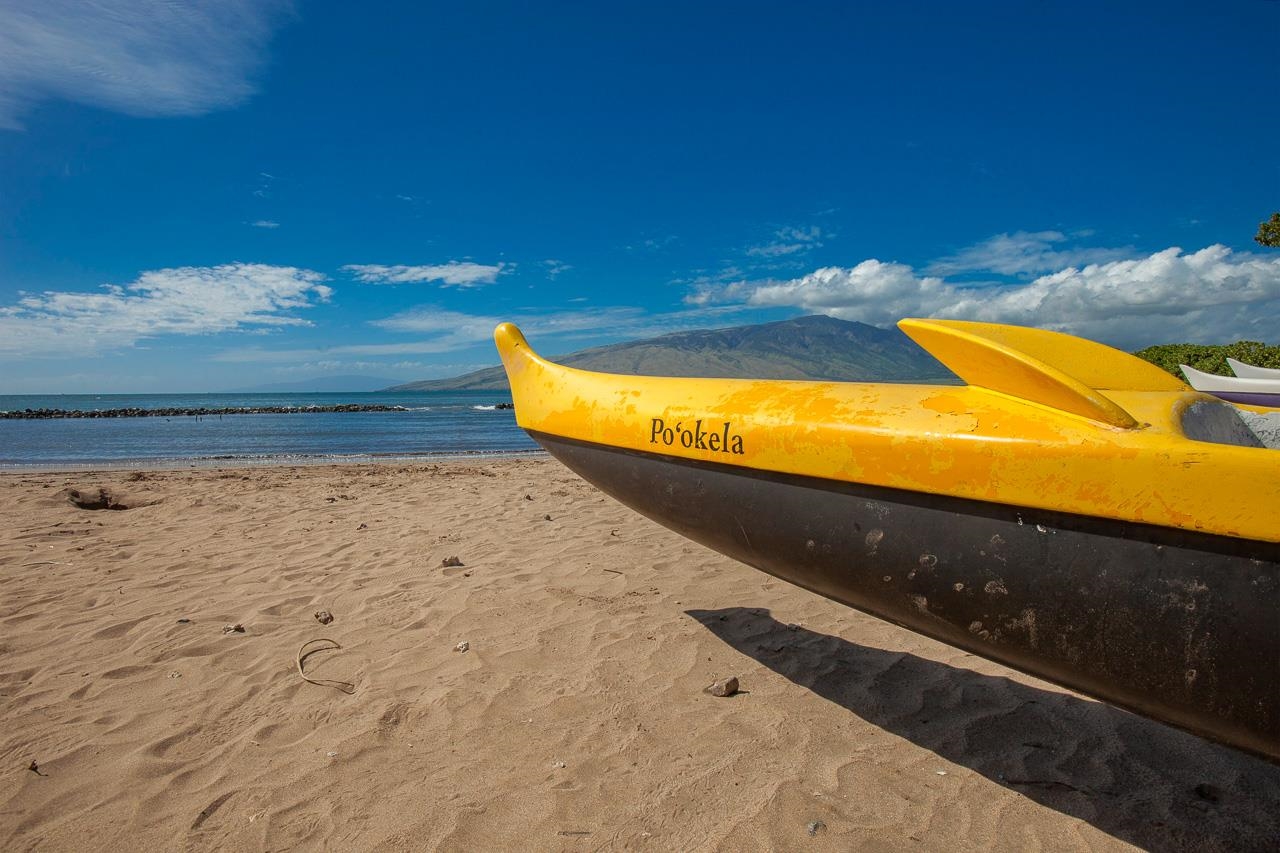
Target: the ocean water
(433, 424)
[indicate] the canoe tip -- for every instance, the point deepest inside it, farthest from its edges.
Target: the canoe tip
(508, 336)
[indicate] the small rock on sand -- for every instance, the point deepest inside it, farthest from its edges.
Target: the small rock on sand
(233, 629)
(723, 687)
(450, 562)
(324, 617)
(462, 647)
(1206, 791)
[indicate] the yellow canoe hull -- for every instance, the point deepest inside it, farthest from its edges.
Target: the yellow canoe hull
(962, 441)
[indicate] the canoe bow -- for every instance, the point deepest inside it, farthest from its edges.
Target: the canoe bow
(1071, 511)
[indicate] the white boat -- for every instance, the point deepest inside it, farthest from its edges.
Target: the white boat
(1247, 390)
(1248, 371)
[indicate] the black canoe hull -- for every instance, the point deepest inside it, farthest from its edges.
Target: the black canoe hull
(1177, 626)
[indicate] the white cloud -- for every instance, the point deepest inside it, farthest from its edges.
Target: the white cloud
(1024, 252)
(181, 301)
(452, 274)
(872, 289)
(1209, 295)
(139, 57)
(265, 223)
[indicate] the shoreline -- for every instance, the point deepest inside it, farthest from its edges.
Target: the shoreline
(197, 411)
(176, 464)
(203, 412)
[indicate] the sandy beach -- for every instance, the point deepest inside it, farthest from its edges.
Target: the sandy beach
(545, 694)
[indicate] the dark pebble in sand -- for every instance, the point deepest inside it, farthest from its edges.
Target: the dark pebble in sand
(815, 826)
(104, 498)
(450, 562)
(1205, 791)
(324, 617)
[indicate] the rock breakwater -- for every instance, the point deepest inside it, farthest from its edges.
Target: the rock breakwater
(51, 414)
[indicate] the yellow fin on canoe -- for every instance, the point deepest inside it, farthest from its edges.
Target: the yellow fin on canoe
(1044, 367)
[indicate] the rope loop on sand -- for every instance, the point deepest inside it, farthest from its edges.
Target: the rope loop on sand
(345, 686)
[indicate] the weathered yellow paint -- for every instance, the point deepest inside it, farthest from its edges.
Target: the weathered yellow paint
(1030, 437)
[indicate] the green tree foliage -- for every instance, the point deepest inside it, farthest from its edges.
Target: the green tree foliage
(1211, 358)
(1269, 232)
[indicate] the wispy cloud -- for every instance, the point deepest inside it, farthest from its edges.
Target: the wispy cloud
(441, 331)
(454, 328)
(451, 274)
(555, 268)
(181, 301)
(312, 368)
(266, 183)
(652, 244)
(139, 57)
(786, 250)
(789, 241)
(265, 223)
(1213, 294)
(1025, 252)
(451, 326)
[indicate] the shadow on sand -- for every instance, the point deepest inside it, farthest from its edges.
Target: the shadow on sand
(1137, 780)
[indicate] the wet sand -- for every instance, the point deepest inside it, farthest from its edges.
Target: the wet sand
(574, 720)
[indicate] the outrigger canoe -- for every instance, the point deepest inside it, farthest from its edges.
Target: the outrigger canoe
(1249, 371)
(1247, 390)
(1071, 511)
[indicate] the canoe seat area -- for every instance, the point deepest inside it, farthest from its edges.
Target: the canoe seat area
(1265, 426)
(1219, 423)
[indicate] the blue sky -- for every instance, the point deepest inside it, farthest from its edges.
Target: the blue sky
(211, 195)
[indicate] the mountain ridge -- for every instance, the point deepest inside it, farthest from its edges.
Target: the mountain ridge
(814, 347)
